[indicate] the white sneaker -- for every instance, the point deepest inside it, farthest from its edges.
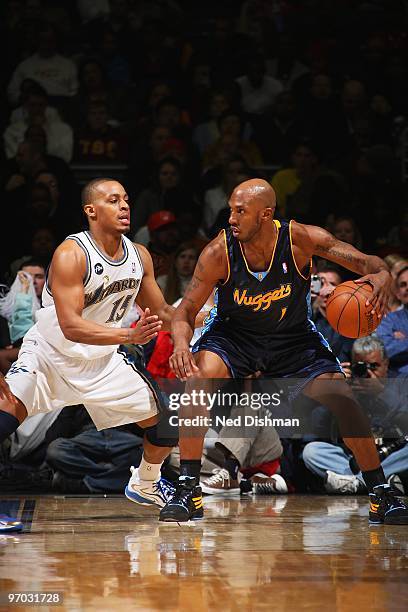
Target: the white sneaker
(220, 483)
(342, 483)
(148, 492)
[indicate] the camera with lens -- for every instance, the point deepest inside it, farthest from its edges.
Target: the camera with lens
(315, 284)
(359, 369)
(384, 448)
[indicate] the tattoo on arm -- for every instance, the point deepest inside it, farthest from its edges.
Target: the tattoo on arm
(194, 283)
(342, 254)
(187, 299)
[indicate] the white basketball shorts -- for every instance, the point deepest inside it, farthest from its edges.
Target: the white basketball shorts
(112, 390)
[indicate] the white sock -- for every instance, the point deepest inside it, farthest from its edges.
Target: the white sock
(148, 471)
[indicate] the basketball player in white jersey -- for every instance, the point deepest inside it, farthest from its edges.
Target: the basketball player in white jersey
(71, 355)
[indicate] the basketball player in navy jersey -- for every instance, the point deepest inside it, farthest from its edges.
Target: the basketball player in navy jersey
(72, 356)
(261, 269)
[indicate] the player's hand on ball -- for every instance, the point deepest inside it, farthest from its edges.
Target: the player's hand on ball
(147, 328)
(183, 364)
(381, 283)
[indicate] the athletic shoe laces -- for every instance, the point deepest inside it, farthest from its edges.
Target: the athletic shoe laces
(218, 477)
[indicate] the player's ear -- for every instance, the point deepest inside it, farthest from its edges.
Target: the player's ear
(267, 213)
(89, 210)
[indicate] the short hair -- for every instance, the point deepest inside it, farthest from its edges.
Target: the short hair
(368, 345)
(404, 269)
(88, 190)
(327, 266)
(34, 262)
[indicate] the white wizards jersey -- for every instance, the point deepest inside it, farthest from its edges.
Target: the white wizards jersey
(110, 291)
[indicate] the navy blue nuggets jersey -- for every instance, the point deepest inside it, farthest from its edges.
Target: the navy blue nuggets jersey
(264, 316)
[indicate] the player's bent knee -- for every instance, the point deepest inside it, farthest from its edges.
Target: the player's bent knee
(154, 437)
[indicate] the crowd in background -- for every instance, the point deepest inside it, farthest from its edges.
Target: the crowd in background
(181, 101)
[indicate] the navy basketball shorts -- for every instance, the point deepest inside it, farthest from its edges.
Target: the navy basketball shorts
(245, 354)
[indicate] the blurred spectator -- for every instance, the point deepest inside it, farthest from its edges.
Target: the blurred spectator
(307, 191)
(59, 135)
(144, 157)
(377, 196)
(91, 461)
(189, 226)
(93, 9)
(42, 208)
(19, 306)
(157, 92)
(170, 114)
(321, 114)
(114, 61)
(279, 130)
(329, 276)
(164, 240)
(397, 238)
(255, 457)
(230, 143)
(395, 263)
(174, 283)
(393, 329)
(98, 142)
(30, 159)
(285, 67)
(216, 198)
(396, 82)
(198, 88)
(94, 88)
(258, 91)
(345, 229)
(41, 246)
(57, 74)
(207, 132)
(22, 112)
(166, 192)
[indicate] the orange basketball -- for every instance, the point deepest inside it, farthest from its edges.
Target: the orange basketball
(347, 313)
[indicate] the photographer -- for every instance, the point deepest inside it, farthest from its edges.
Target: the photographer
(385, 400)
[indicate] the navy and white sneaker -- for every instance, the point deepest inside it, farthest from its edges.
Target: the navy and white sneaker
(186, 504)
(148, 492)
(9, 524)
(386, 507)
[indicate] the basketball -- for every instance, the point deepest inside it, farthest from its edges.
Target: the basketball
(347, 313)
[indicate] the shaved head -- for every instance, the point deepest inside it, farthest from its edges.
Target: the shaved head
(257, 190)
(88, 192)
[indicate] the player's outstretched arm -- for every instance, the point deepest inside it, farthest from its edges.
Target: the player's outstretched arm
(318, 241)
(150, 295)
(211, 267)
(67, 271)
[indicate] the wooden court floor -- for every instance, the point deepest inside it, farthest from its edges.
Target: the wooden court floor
(283, 553)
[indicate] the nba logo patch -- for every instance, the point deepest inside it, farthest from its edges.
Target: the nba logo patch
(285, 267)
(133, 267)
